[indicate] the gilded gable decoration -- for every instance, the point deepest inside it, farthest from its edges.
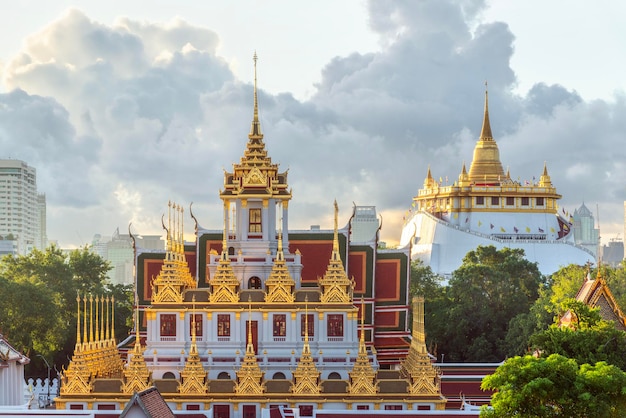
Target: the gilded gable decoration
(174, 278)
(335, 285)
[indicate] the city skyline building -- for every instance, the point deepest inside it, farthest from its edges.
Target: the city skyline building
(22, 209)
(117, 249)
(585, 233)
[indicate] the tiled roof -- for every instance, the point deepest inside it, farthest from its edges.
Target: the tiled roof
(151, 403)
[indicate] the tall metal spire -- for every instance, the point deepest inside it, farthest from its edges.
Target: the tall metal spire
(255, 129)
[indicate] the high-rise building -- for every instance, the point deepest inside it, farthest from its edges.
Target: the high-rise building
(118, 251)
(22, 210)
(585, 233)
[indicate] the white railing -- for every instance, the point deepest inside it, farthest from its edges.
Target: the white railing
(168, 338)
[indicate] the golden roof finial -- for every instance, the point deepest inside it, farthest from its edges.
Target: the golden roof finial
(544, 180)
(193, 376)
(486, 166)
(85, 319)
(336, 231)
(306, 319)
(249, 345)
(306, 375)
(255, 129)
(280, 284)
(335, 284)
(485, 132)
(362, 376)
(424, 377)
(77, 320)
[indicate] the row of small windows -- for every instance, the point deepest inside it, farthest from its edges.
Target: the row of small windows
(334, 325)
(509, 201)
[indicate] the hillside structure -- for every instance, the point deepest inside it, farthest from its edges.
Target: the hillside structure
(255, 316)
(486, 206)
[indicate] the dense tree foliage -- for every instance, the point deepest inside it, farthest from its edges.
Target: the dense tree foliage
(588, 339)
(468, 319)
(555, 386)
(38, 304)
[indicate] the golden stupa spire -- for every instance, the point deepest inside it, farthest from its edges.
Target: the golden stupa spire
(362, 377)
(485, 132)
(424, 377)
(429, 181)
(224, 284)
(486, 167)
(335, 285)
(78, 340)
(174, 277)
(137, 377)
(255, 175)
(544, 180)
(249, 375)
(255, 129)
(193, 376)
(306, 376)
(280, 284)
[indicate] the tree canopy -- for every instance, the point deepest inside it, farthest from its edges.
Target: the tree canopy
(468, 319)
(38, 304)
(555, 386)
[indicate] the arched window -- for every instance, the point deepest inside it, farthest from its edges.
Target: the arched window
(334, 376)
(223, 376)
(169, 375)
(254, 283)
(279, 375)
(231, 250)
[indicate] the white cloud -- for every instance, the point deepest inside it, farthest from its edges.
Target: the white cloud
(119, 119)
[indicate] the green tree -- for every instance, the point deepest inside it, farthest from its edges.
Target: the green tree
(589, 339)
(555, 386)
(490, 288)
(38, 304)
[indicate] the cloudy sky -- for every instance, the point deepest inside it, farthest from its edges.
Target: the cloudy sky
(122, 106)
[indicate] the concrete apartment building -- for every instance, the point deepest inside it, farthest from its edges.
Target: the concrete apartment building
(22, 209)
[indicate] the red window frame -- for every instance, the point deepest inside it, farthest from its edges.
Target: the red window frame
(279, 325)
(255, 221)
(223, 325)
(334, 325)
(168, 325)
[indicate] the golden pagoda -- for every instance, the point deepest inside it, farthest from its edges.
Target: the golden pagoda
(485, 206)
(193, 376)
(306, 375)
(424, 377)
(335, 285)
(174, 277)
